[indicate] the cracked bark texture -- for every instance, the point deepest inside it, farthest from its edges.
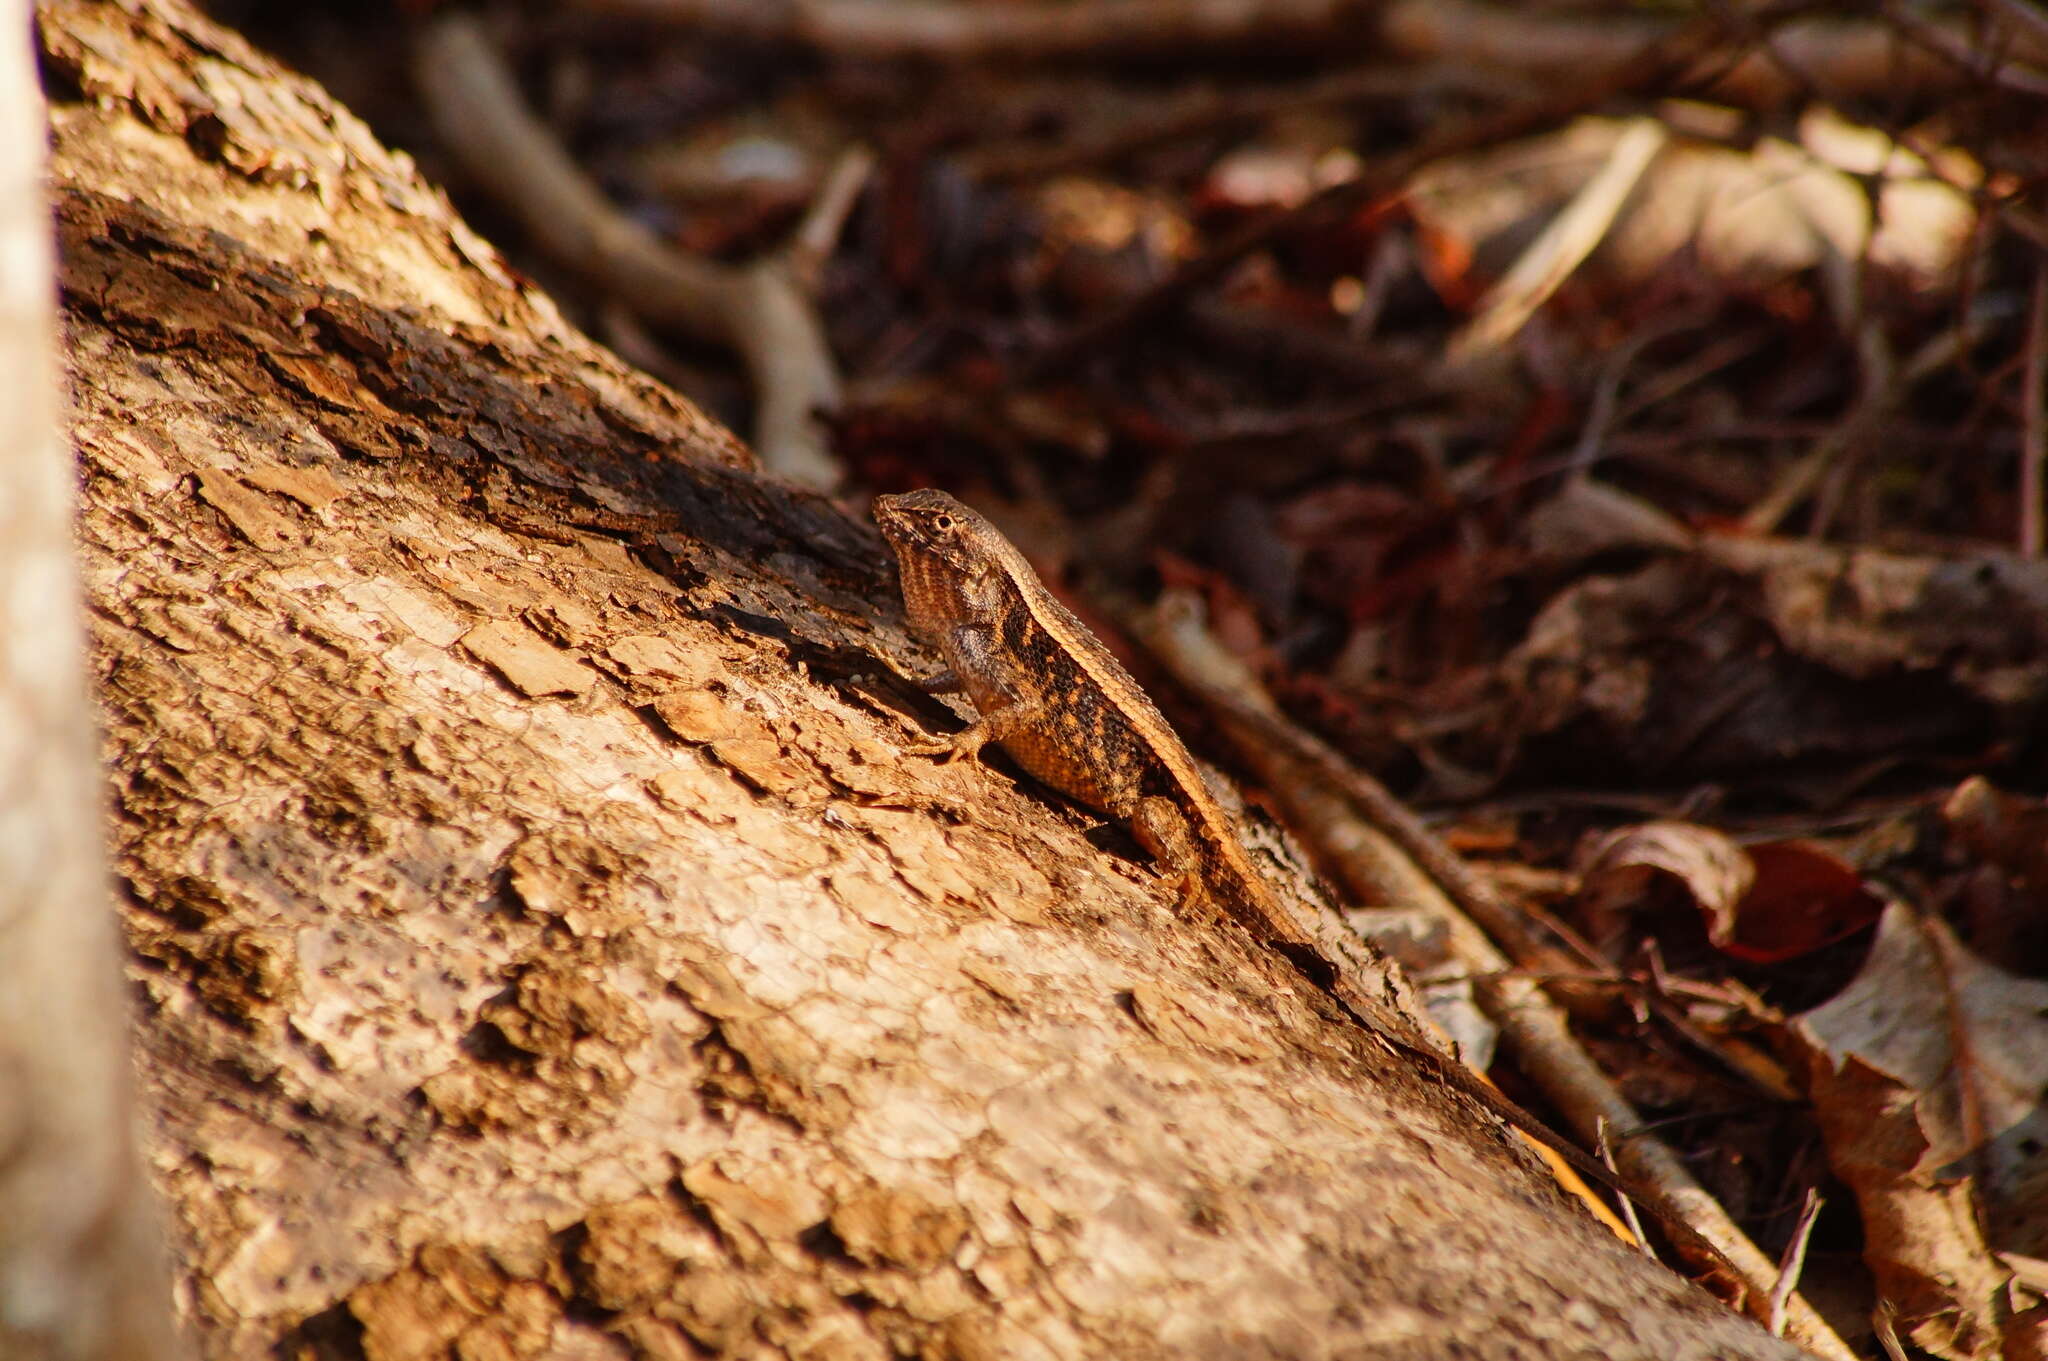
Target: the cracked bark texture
(545, 950)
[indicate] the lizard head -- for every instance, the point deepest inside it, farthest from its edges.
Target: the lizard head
(931, 523)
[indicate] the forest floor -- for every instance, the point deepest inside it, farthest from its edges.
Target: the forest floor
(1620, 435)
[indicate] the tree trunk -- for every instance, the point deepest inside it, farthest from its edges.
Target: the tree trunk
(81, 1252)
(547, 951)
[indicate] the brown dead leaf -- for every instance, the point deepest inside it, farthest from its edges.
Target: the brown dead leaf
(1804, 897)
(1865, 614)
(2009, 834)
(1749, 654)
(2010, 831)
(1925, 1058)
(1586, 517)
(1769, 902)
(1970, 1040)
(1619, 870)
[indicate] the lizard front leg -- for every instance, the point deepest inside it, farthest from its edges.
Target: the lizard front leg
(1001, 710)
(996, 727)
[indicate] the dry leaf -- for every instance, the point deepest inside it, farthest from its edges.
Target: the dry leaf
(1926, 1057)
(1617, 871)
(1805, 897)
(1773, 901)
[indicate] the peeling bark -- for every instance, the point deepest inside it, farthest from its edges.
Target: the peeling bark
(546, 951)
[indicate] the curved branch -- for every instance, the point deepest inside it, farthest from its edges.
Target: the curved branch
(762, 311)
(949, 31)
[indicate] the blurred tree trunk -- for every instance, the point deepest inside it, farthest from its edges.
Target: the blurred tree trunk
(81, 1269)
(547, 952)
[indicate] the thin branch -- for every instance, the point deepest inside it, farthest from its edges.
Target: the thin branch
(1975, 61)
(1203, 112)
(1291, 761)
(2025, 14)
(1846, 58)
(1852, 56)
(1562, 245)
(762, 311)
(943, 30)
(1603, 1149)
(1792, 1262)
(2033, 426)
(817, 236)
(1886, 386)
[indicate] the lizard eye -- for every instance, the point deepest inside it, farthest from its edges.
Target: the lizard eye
(943, 521)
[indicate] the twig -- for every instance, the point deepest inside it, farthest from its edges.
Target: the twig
(1606, 410)
(1884, 1322)
(1651, 67)
(2033, 427)
(1391, 258)
(1792, 1262)
(1709, 360)
(956, 32)
(1464, 898)
(1885, 388)
(1268, 341)
(1854, 57)
(2026, 15)
(1561, 246)
(1603, 1149)
(1192, 115)
(817, 236)
(1968, 53)
(759, 310)
(1848, 57)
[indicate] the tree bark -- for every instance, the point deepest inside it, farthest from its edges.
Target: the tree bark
(547, 951)
(81, 1254)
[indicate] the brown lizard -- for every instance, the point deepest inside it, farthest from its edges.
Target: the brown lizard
(1053, 697)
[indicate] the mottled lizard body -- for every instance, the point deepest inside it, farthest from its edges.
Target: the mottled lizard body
(1053, 697)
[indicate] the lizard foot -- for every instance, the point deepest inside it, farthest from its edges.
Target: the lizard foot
(966, 743)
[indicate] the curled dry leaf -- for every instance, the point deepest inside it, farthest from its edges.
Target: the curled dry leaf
(1586, 517)
(1930, 1015)
(2011, 832)
(1929, 1056)
(1768, 902)
(1618, 871)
